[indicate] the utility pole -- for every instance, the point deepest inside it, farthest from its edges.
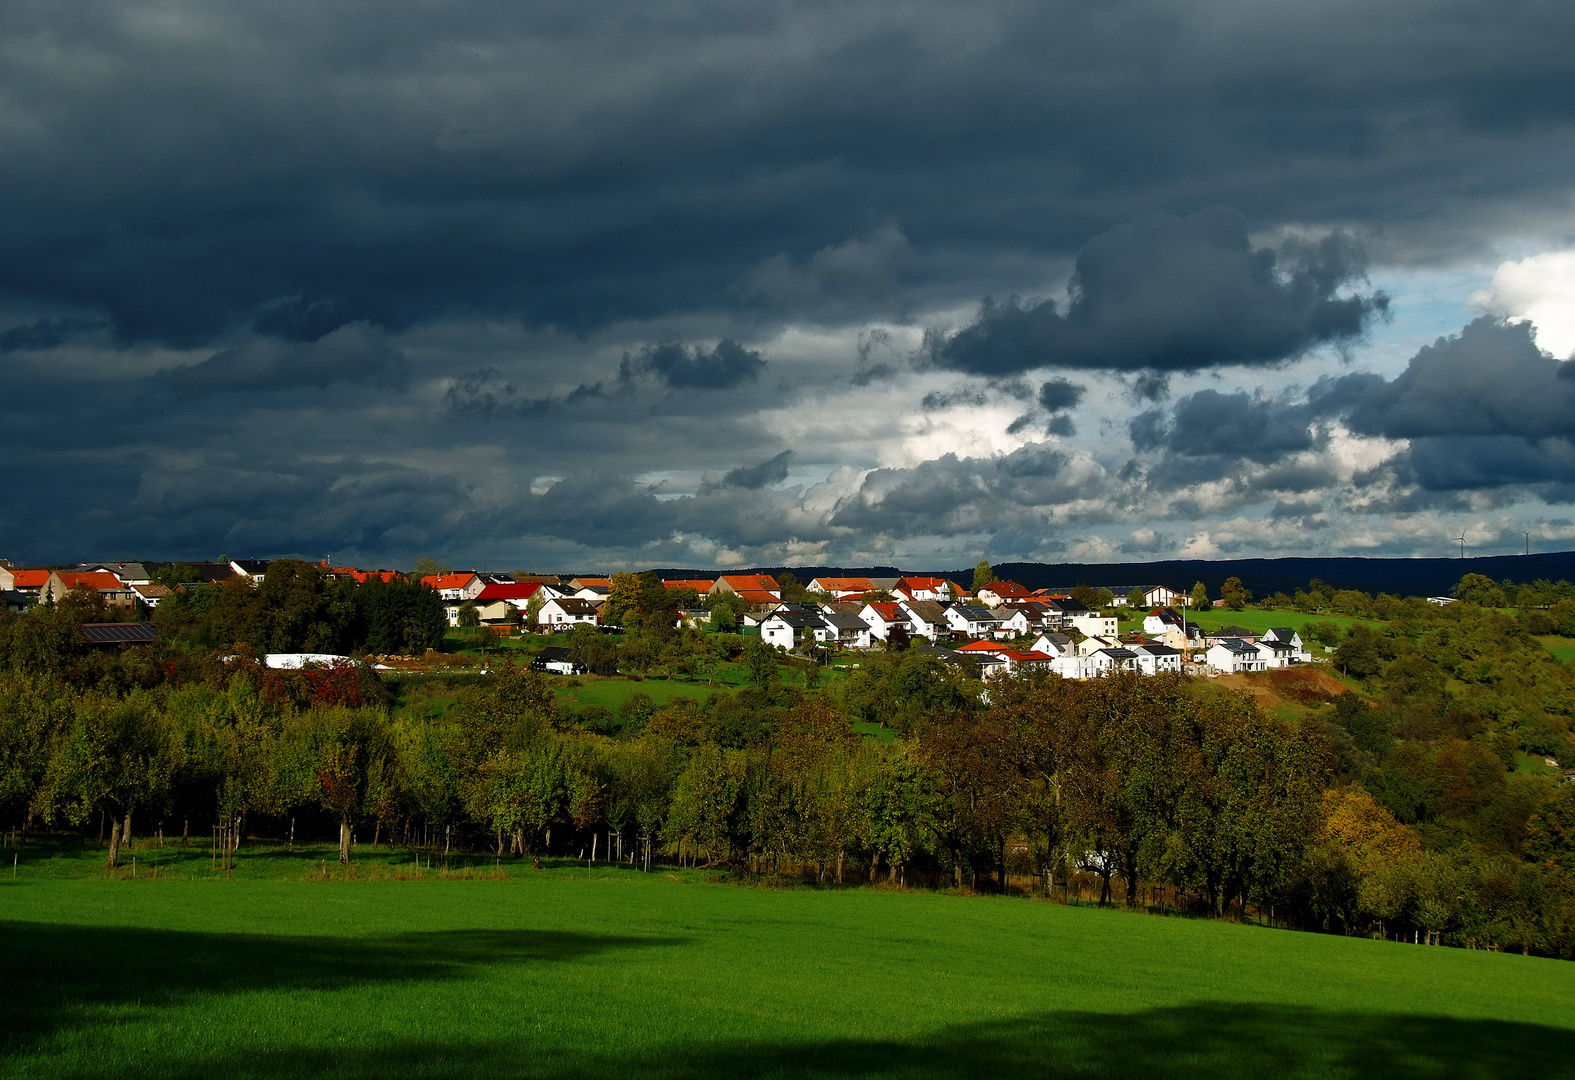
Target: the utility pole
(1528, 540)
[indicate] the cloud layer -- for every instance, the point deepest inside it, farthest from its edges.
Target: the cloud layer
(691, 282)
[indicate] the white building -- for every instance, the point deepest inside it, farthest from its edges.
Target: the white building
(1095, 624)
(1233, 656)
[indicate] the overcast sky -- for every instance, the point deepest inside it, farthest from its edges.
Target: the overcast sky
(617, 284)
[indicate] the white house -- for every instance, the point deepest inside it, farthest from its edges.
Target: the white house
(1095, 624)
(851, 631)
(1002, 592)
(1074, 667)
(566, 611)
(1014, 623)
(1159, 621)
(1232, 656)
(1090, 645)
(455, 587)
(788, 629)
(1054, 644)
(1287, 636)
(975, 622)
(1276, 654)
(882, 616)
(1111, 660)
(1156, 659)
(926, 619)
(923, 588)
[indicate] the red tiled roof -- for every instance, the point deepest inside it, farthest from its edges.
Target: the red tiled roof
(980, 646)
(699, 585)
(888, 610)
(101, 580)
(515, 590)
(755, 582)
(1006, 589)
(757, 596)
(30, 579)
(933, 584)
(447, 581)
(845, 584)
(360, 576)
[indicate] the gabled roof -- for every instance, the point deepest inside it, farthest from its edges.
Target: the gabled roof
(699, 585)
(842, 584)
(1234, 632)
(1157, 650)
(1118, 653)
(842, 621)
(980, 646)
(798, 620)
(517, 590)
(749, 583)
(974, 613)
(591, 582)
(887, 610)
(249, 567)
(1281, 633)
(30, 579)
(926, 611)
(448, 581)
(100, 580)
(572, 605)
(1237, 646)
(1007, 590)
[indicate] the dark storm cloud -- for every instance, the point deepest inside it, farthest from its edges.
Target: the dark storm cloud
(1490, 379)
(753, 477)
(356, 353)
(47, 333)
(1175, 294)
(1482, 409)
(191, 169)
(1232, 425)
(695, 367)
(957, 495)
(1058, 395)
(283, 191)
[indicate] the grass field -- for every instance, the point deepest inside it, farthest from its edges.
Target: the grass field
(567, 973)
(1260, 620)
(1562, 648)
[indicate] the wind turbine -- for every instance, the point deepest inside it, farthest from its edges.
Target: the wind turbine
(1462, 539)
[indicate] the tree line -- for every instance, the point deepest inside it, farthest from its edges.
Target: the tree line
(1416, 807)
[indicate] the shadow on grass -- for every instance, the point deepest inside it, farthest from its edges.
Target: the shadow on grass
(1204, 1042)
(52, 976)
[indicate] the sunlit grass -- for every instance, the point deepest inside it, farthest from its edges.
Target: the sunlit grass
(574, 972)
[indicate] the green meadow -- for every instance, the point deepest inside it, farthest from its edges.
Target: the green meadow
(572, 972)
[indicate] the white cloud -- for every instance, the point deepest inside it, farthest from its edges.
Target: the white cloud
(1539, 289)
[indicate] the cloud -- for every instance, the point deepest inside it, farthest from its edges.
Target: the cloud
(46, 333)
(1058, 395)
(355, 353)
(1231, 425)
(754, 477)
(1539, 289)
(1490, 379)
(858, 274)
(1483, 409)
(697, 368)
(1176, 294)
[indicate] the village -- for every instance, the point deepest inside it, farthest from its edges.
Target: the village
(998, 628)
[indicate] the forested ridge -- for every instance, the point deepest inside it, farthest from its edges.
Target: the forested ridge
(1414, 806)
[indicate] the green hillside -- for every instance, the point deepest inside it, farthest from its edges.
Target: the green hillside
(565, 973)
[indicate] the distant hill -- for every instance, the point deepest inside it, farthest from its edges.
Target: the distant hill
(1406, 577)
